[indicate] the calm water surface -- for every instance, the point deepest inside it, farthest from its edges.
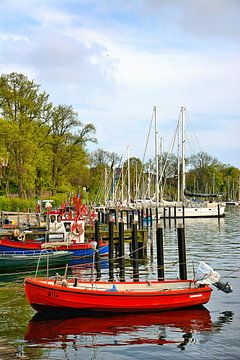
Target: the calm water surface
(211, 332)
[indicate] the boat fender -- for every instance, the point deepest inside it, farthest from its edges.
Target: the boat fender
(64, 283)
(16, 233)
(22, 236)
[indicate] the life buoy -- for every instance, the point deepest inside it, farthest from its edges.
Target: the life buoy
(77, 229)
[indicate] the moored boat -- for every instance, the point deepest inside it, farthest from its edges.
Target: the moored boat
(49, 295)
(21, 260)
(78, 249)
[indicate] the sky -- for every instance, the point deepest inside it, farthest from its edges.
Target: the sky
(114, 60)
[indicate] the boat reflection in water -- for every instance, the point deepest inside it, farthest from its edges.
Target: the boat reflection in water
(168, 327)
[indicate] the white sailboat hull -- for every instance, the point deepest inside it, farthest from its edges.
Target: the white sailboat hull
(200, 210)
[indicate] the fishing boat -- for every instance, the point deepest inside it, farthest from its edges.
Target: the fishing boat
(21, 260)
(85, 249)
(50, 295)
(66, 232)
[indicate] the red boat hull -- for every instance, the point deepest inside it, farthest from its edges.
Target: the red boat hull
(78, 249)
(47, 296)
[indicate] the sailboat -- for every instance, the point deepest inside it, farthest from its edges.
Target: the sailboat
(185, 207)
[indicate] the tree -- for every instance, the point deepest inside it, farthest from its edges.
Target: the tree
(103, 157)
(24, 112)
(67, 148)
(102, 167)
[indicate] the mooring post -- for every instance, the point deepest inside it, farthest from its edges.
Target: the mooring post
(114, 214)
(139, 218)
(182, 252)
(147, 216)
(127, 214)
(130, 220)
(142, 216)
(98, 215)
(156, 214)
(102, 216)
(175, 211)
(135, 252)
(121, 252)
(110, 251)
(151, 222)
(107, 215)
(160, 253)
(97, 253)
(183, 213)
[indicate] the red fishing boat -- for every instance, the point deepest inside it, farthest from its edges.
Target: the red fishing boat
(49, 295)
(65, 232)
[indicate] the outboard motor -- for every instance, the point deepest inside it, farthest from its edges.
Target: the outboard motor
(206, 275)
(224, 287)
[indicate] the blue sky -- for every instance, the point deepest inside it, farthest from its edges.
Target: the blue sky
(113, 60)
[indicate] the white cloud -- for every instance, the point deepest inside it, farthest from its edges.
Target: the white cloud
(113, 61)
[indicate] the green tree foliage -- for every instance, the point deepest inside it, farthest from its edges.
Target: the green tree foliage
(67, 148)
(102, 165)
(42, 147)
(24, 111)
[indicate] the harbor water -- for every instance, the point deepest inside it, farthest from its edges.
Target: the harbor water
(209, 332)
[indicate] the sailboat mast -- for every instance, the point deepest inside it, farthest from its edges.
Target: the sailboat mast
(122, 184)
(178, 158)
(129, 185)
(156, 156)
(161, 168)
(183, 114)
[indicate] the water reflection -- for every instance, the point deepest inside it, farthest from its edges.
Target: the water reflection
(172, 328)
(169, 327)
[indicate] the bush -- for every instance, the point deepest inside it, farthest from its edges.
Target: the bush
(17, 204)
(27, 205)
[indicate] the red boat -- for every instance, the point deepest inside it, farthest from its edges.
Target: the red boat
(50, 295)
(78, 249)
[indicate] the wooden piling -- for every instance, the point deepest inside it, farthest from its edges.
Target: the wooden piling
(160, 253)
(127, 214)
(97, 253)
(156, 214)
(139, 219)
(130, 219)
(135, 252)
(142, 216)
(164, 213)
(110, 251)
(150, 214)
(147, 216)
(182, 253)
(183, 213)
(121, 252)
